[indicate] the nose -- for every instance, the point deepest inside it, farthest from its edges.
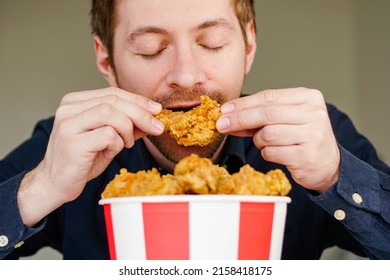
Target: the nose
(186, 70)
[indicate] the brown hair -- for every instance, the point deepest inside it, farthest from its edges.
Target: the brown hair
(103, 19)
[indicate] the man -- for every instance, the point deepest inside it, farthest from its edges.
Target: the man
(166, 53)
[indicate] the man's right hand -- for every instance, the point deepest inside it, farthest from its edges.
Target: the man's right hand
(90, 129)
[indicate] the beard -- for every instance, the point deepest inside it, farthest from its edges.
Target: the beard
(174, 152)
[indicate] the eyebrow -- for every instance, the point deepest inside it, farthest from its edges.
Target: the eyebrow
(219, 22)
(145, 30)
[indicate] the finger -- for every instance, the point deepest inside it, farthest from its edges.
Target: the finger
(290, 96)
(285, 155)
(257, 117)
(122, 116)
(109, 141)
(281, 135)
(103, 151)
(86, 145)
(101, 116)
(244, 133)
(112, 96)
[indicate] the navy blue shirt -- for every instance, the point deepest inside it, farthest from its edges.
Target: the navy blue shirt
(77, 228)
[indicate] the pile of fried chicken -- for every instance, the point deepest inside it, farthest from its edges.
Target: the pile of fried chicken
(196, 175)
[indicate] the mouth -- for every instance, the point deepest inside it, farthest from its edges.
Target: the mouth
(183, 107)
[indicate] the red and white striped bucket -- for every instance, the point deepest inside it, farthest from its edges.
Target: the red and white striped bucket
(190, 227)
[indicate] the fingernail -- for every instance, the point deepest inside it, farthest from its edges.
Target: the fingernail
(223, 123)
(156, 107)
(158, 125)
(227, 108)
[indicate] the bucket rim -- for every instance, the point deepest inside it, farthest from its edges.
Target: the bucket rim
(195, 198)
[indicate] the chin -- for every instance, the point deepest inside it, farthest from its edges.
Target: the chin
(174, 152)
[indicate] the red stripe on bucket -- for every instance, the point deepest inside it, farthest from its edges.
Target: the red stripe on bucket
(166, 227)
(255, 230)
(110, 231)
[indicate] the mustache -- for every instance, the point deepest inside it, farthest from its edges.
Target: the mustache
(177, 96)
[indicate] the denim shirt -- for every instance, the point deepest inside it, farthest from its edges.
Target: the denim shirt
(354, 214)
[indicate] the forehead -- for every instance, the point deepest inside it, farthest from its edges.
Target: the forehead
(171, 14)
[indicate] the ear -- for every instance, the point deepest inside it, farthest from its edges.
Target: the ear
(103, 62)
(251, 46)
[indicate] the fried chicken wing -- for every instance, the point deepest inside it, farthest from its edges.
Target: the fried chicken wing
(195, 127)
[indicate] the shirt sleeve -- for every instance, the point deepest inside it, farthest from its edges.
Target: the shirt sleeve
(360, 199)
(13, 232)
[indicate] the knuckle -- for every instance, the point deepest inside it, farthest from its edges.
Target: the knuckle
(257, 140)
(112, 99)
(270, 96)
(114, 91)
(267, 153)
(321, 115)
(241, 119)
(105, 109)
(67, 98)
(317, 96)
(61, 128)
(271, 114)
(110, 134)
(60, 112)
(267, 133)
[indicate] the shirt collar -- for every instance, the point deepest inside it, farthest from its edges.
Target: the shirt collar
(233, 155)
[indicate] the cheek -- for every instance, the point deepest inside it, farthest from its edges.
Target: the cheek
(230, 74)
(138, 78)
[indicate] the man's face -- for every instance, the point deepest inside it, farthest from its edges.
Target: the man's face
(174, 51)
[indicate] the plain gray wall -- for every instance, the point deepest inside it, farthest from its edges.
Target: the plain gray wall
(340, 47)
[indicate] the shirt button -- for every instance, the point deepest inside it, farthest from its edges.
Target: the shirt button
(357, 198)
(3, 240)
(339, 215)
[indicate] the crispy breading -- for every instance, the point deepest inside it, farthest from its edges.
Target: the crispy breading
(141, 183)
(193, 128)
(250, 181)
(199, 175)
(196, 175)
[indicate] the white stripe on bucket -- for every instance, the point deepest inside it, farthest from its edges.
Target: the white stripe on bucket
(277, 230)
(127, 219)
(214, 235)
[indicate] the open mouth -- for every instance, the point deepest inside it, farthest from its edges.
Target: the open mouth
(183, 108)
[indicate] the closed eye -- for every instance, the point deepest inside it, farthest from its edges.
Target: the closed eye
(211, 49)
(151, 56)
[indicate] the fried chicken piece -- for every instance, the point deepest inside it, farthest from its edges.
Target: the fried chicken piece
(199, 175)
(249, 181)
(278, 182)
(195, 127)
(141, 183)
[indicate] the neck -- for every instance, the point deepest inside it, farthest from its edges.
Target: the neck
(168, 165)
